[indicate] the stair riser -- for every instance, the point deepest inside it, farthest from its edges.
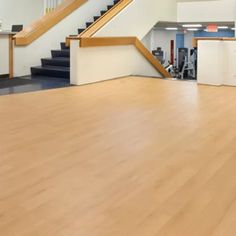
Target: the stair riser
(63, 46)
(60, 53)
(59, 65)
(55, 63)
(58, 74)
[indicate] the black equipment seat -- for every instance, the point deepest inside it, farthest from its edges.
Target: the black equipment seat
(16, 28)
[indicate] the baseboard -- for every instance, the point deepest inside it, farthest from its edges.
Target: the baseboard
(4, 76)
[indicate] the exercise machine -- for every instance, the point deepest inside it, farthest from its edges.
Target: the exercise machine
(173, 69)
(160, 55)
(184, 68)
(188, 68)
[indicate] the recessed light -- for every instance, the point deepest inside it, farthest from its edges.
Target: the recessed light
(192, 29)
(192, 26)
(171, 28)
(223, 27)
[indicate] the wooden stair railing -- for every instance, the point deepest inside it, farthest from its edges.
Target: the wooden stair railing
(103, 20)
(118, 41)
(46, 22)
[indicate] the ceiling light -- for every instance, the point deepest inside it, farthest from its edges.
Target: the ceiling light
(223, 27)
(193, 29)
(171, 28)
(232, 28)
(192, 26)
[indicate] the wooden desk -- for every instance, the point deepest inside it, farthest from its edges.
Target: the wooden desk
(11, 54)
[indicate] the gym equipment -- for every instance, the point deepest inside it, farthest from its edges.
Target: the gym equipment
(188, 68)
(173, 69)
(160, 55)
(182, 55)
(184, 69)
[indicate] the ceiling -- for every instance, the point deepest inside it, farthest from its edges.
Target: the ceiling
(165, 24)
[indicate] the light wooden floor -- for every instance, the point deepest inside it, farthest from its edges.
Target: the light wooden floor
(129, 157)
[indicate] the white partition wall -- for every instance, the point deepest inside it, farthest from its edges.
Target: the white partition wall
(93, 64)
(216, 62)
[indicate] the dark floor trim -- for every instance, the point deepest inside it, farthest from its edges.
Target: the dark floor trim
(3, 76)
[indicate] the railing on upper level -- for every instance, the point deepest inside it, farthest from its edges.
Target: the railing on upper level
(118, 41)
(50, 5)
(46, 22)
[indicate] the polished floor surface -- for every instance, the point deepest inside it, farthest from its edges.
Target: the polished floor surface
(128, 157)
(30, 83)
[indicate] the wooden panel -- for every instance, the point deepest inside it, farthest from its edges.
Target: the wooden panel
(107, 41)
(117, 41)
(11, 56)
(38, 28)
(97, 25)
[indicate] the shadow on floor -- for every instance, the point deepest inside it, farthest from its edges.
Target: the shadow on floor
(30, 83)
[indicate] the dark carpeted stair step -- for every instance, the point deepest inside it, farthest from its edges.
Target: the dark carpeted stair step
(80, 30)
(53, 71)
(96, 18)
(109, 7)
(88, 24)
(60, 53)
(56, 61)
(103, 12)
(63, 46)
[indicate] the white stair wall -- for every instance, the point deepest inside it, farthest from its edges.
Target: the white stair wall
(138, 18)
(95, 64)
(27, 56)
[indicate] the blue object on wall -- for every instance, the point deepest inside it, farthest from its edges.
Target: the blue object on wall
(179, 41)
(220, 34)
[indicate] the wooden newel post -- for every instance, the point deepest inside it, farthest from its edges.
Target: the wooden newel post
(11, 56)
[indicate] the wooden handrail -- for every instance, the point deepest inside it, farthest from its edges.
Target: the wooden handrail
(118, 41)
(195, 40)
(46, 22)
(104, 19)
(106, 41)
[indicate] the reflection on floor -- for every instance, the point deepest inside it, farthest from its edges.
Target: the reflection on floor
(29, 84)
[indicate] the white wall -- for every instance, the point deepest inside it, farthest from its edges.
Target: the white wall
(216, 62)
(147, 40)
(28, 56)
(20, 11)
(162, 38)
(210, 70)
(126, 60)
(16, 12)
(207, 11)
(138, 18)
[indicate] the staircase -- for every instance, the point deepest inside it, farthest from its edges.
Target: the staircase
(59, 64)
